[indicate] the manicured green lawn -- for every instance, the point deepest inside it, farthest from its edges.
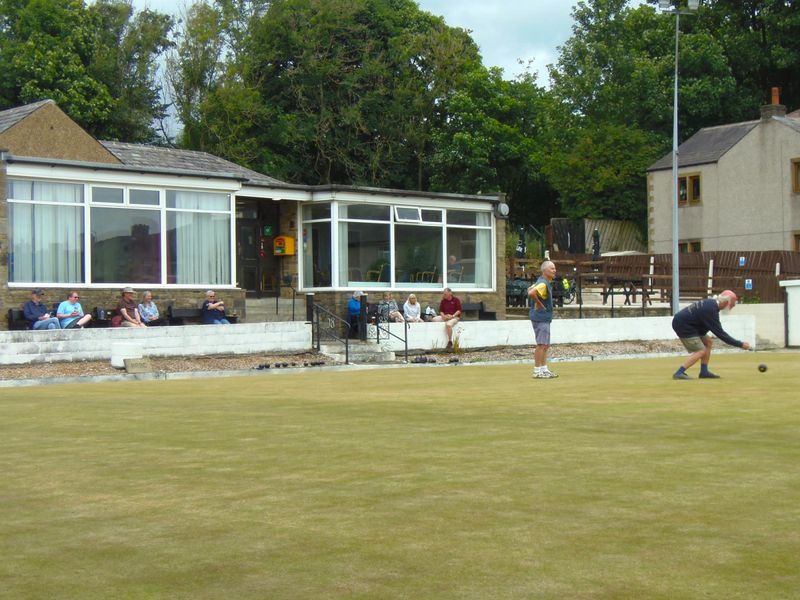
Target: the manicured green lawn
(612, 481)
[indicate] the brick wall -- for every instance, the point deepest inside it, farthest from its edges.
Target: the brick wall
(108, 298)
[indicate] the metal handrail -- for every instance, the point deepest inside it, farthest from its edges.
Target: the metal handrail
(319, 312)
(379, 327)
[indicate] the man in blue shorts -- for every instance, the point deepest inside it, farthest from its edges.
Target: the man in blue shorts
(541, 314)
(692, 325)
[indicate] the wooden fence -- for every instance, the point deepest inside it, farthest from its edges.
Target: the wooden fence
(753, 275)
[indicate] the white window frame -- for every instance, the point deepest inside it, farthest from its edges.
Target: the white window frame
(441, 226)
(111, 180)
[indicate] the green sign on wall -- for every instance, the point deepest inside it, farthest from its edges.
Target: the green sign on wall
(267, 231)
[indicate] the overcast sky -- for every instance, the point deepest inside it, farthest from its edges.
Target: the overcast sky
(505, 30)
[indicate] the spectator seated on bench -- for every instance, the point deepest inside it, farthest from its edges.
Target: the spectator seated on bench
(36, 313)
(148, 311)
(354, 313)
(70, 313)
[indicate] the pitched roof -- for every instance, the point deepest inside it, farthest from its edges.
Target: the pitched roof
(706, 146)
(161, 157)
(12, 116)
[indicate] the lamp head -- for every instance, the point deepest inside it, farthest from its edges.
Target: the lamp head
(665, 4)
(693, 4)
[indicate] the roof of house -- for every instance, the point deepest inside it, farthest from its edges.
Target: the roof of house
(161, 157)
(706, 146)
(12, 116)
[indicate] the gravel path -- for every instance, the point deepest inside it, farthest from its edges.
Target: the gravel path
(247, 362)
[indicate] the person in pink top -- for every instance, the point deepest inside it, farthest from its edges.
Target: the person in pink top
(450, 313)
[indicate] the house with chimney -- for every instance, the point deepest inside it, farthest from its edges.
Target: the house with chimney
(77, 213)
(738, 187)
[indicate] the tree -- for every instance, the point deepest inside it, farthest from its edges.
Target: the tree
(492, 141)
(322, 91)
(600, 174)
(94, 62)
(127, 50)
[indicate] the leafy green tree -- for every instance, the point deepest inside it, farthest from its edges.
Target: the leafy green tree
(601, 173)
(321, 91)
(94, 62)
(127, 50)
(491, 141)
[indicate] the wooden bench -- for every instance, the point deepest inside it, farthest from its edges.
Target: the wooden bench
(101, 317)
(17, 320)
(189, 316)
(483, 315)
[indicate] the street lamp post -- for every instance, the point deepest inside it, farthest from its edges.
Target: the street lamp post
(667, 6)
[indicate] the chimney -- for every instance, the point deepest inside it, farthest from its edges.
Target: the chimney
(776, 109)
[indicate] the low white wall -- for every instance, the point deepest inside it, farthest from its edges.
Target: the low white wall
(770, 323)
(24, 347)
(484, 334)
(792, 288)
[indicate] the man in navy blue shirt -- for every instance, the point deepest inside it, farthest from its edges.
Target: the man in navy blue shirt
(214, 310)
(692, 325)
(36, 313)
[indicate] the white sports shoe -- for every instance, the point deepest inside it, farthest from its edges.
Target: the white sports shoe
(548, 374)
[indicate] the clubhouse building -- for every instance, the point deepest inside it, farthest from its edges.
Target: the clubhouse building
(95, 216)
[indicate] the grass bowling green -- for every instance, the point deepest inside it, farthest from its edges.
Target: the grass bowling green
(613, 481)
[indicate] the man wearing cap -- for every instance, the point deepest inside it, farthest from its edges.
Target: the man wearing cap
(692, 325)
(36, 313)
(128, 310)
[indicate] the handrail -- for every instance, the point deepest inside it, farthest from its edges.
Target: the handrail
(330, 331)
(379, 327)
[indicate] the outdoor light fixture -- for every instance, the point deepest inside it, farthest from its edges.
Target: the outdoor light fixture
(667, 5)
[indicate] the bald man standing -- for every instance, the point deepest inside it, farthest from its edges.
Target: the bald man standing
(541, 315)
(692, 325)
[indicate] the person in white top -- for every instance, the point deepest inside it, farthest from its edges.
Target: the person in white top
(412, 311)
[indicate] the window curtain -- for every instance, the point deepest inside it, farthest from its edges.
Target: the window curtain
(202, 248)
(344, 258)
(483, 251)
(46, 239)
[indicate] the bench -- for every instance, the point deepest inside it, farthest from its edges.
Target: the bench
(187, 316)
(483, 315)
(101, 317)
(17, 320)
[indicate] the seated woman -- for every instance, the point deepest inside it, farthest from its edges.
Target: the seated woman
(412, 310)
(387, 309)
(148, 311)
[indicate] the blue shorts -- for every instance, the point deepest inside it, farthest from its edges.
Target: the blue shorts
(541, 329)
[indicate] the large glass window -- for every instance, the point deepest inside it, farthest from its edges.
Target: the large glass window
(364, 254)
(198, 243)
(46, 232)
(378, 246)
(418, 256)
(48, 242)
(126, 245)
(317, 245)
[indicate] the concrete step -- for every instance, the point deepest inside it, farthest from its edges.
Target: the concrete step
(360, 352)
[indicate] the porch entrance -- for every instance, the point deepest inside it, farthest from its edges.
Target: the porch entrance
(257, 270)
